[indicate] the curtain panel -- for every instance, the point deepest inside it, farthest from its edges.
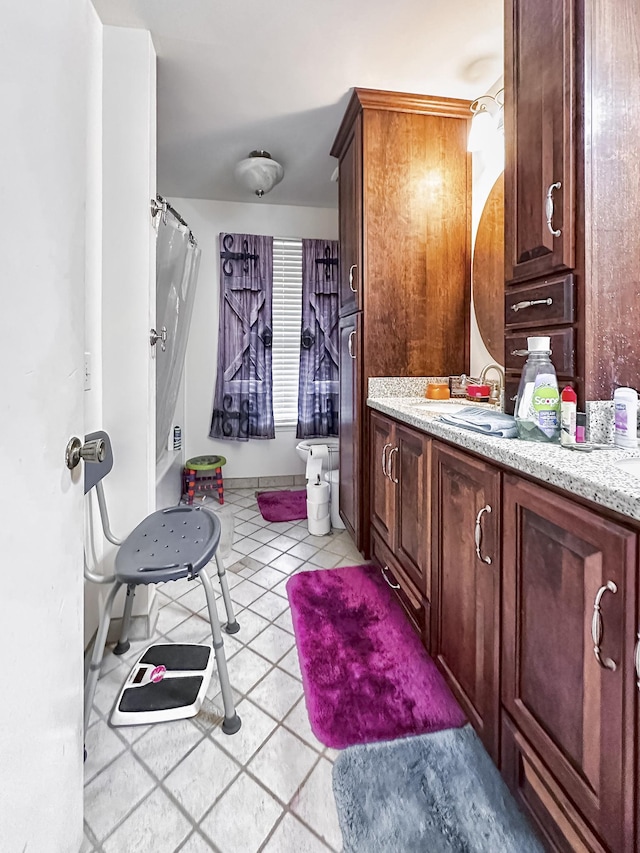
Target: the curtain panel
(318, 387)
(243, 400)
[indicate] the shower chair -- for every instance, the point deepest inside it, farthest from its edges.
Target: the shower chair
(168, 545)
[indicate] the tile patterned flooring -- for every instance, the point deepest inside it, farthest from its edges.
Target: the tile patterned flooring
(185, 786)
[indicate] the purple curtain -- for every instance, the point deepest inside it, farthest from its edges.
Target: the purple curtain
(243, 403)
(318, 387)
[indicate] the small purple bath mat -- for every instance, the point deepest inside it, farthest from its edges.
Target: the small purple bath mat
(282, 506)
(365, 673)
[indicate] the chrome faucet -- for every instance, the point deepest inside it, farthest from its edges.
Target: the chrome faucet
(497, 387)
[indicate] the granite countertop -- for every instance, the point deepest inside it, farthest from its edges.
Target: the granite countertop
(589, 475)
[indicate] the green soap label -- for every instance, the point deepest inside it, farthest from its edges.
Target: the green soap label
(545, 405)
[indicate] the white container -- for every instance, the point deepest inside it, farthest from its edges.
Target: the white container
(625, 413)
(318, 517)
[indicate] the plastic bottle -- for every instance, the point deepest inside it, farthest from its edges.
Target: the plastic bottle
(568, 411)
(625, 410)
(537, 409)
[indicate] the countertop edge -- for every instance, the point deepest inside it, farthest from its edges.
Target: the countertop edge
(589, 476)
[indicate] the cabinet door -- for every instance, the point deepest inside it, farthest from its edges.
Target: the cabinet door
(409, 469)
(350, 222)
(350, 432)
(539, 137)
(466, 585)
(573, 704)
(383, 491)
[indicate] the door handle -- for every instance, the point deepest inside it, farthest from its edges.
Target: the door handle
(351, 270)
(597, 628)
(549, 208)
(384, 459)
(637, 660)
(478, 535)
(384, 575)
(390, 473)
(350, 343)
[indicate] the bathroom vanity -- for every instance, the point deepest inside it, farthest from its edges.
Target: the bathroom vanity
(518, 565)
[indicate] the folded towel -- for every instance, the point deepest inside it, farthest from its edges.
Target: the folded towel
(483, 420)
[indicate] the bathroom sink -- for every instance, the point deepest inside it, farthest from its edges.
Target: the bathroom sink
(631, 466)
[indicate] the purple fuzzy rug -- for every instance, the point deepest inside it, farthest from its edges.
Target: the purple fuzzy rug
(282, 506)
(365, 673)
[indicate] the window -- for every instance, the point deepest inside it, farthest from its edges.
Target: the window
(286, 320)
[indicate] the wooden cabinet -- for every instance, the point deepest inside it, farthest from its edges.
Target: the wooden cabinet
(404, 221)
(539, 134)
(570, 735)
(350, 334)
(465, 613)
(350, 220)
(572, 121)
(400, 513)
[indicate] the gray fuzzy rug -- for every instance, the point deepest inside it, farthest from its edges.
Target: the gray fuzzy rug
(435, 793)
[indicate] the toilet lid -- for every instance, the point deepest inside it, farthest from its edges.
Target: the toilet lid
(332, 476)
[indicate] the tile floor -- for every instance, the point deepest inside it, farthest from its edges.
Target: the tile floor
(185, 786)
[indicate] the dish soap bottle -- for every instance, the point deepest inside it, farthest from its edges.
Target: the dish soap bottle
(537, 411)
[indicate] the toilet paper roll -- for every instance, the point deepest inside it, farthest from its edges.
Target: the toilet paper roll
(318, 454)
(318, 493)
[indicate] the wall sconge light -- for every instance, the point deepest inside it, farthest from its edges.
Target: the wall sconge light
(259, 173)
(488, 117)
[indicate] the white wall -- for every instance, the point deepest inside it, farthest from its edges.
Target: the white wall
(207, 219)
(47, 57)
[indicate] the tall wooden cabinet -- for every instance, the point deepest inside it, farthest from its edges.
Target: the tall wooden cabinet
(404, 222)
(572, 121)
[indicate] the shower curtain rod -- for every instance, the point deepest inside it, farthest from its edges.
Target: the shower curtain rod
(160, 204)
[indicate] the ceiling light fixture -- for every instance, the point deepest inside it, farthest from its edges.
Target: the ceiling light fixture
(259, 172)
(488, 117)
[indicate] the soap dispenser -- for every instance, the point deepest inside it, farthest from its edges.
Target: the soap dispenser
(537, 411)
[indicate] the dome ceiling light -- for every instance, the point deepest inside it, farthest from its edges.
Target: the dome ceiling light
(259, 173)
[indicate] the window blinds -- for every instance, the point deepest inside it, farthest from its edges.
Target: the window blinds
(286, 319)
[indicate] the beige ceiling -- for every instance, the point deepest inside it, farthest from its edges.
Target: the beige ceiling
(234, 76)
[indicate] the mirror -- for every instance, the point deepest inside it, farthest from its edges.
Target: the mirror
(488, 272)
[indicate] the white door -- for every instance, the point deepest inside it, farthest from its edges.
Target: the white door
(44, 56)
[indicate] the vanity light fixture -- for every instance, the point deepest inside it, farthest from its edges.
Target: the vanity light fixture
(488, 117)
(259, 172)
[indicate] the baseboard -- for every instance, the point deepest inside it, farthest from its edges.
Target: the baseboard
(264, 482)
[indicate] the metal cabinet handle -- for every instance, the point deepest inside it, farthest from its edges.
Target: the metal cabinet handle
(549, 208)
(478, 535)
(384, 575)
(384, 459)
(596, 627)
(390, 474)
(350, 343)
(351, 269)
(637, 660)
(520, 352)
(529, 303)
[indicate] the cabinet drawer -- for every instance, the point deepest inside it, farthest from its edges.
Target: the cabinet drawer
(545, 303)
(540, 797)
(563, 346)
(407, 594)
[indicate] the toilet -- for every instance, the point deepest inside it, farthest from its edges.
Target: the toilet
(333, 443)
(330, 473)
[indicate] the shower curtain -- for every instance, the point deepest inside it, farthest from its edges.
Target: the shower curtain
(177, 263)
